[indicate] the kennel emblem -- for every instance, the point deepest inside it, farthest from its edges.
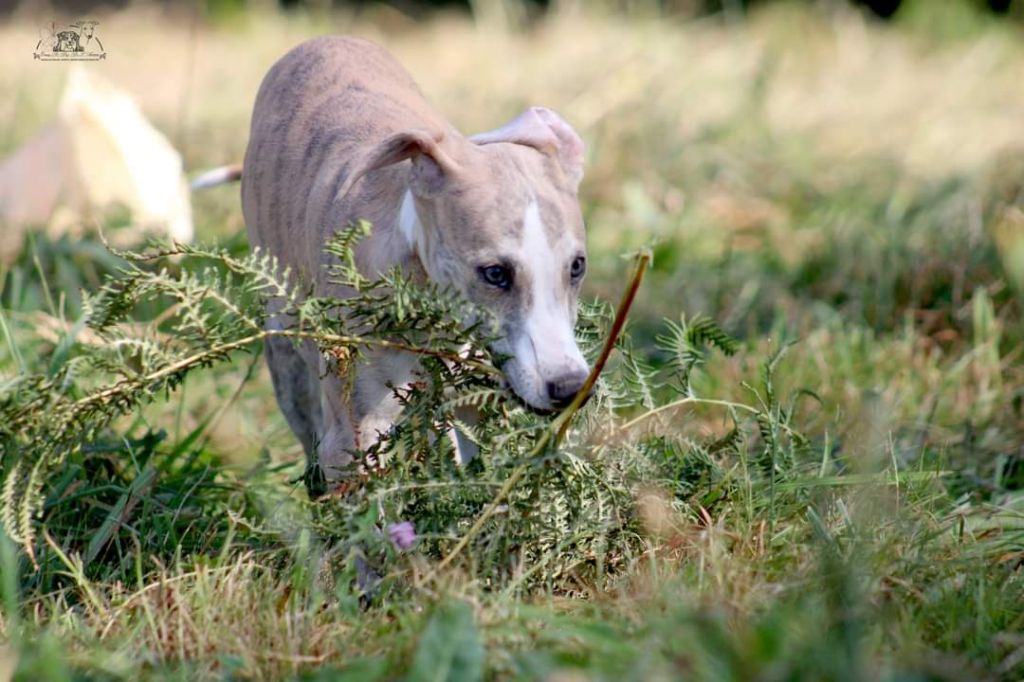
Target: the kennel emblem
(74, 42)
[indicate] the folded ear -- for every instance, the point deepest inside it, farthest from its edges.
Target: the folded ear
(545, 130)
(430, 163)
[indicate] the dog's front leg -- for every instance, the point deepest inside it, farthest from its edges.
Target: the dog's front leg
(465, 448)
(337, 438)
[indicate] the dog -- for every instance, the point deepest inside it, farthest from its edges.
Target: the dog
(67, 41)
(340, 132)
(100, 152)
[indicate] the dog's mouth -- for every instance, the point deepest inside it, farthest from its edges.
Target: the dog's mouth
(543, 411)
(586, 399)
(518, 378)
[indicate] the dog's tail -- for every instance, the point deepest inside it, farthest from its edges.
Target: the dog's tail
(217, 176)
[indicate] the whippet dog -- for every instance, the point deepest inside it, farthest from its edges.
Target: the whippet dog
(340, 132)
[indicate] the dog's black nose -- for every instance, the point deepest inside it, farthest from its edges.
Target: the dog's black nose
(564, 388)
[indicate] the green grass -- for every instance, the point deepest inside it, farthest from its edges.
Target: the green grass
(854, 513)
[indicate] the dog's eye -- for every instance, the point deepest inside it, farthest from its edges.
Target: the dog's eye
(497, 276)
(578, 267)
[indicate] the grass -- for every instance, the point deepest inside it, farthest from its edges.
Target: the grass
(843, 193)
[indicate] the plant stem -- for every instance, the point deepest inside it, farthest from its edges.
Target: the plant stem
(642, 260)
(185, 363)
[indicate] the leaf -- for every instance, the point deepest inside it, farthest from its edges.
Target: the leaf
(685, 341)
(450, 647)
(121, 512)
(360, 670)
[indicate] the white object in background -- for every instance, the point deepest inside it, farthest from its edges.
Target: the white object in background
(99, 153)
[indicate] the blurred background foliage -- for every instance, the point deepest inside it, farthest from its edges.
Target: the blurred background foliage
(534, 8)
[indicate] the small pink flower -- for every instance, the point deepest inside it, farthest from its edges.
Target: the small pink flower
(403, 535)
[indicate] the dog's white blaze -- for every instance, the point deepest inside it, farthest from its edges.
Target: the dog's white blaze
(548, 323)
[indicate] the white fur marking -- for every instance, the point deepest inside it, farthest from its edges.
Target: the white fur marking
(549, 322)
(217, 176)
(409, 221)
(544, 268)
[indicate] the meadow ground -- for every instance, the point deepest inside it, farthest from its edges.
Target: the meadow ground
(849, 192)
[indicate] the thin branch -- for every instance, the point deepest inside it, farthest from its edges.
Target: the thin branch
(679, 403)
(642, 261)
(183, 364)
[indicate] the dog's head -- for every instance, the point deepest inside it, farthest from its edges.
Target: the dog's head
(497, 217)
(67, 41)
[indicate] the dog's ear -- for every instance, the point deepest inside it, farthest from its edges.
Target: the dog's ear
(545, 130)
(430, 163)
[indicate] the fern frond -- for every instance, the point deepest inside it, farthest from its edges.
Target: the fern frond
(685, 343)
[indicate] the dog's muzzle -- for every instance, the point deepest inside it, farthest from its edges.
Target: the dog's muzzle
(563, 389)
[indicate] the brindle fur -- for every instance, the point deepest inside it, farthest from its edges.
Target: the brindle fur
(340, 132)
